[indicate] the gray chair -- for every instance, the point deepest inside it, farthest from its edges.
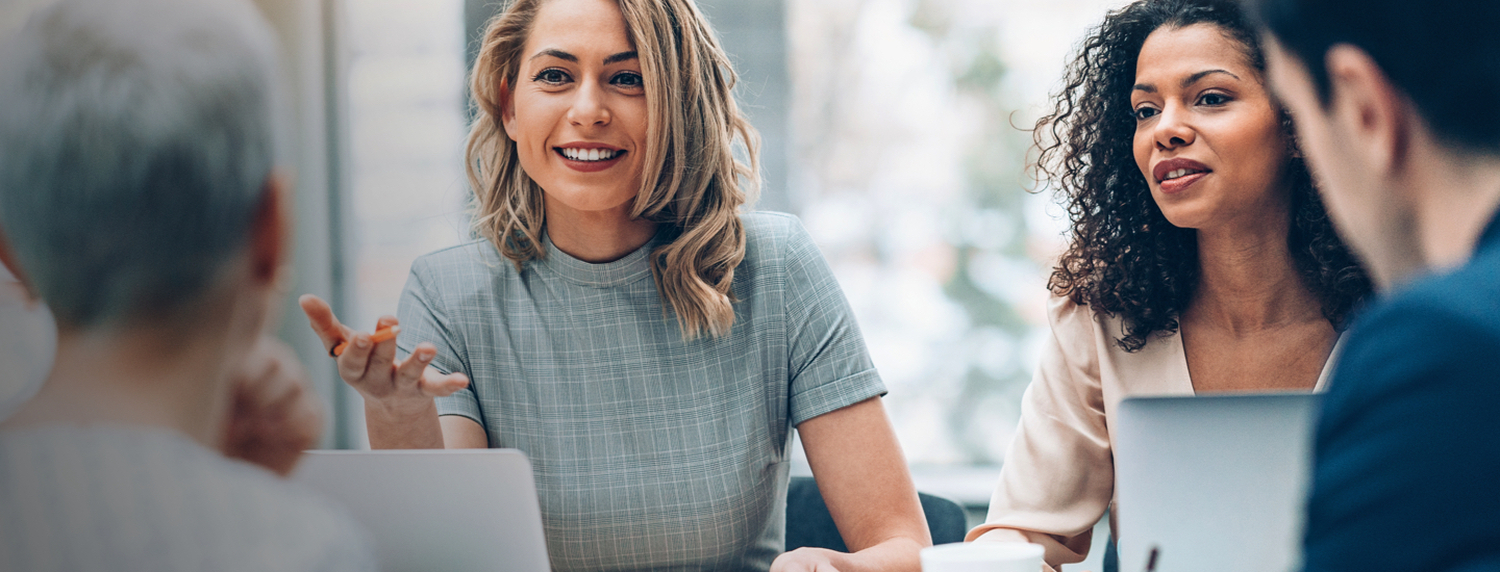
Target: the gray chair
(808, 522)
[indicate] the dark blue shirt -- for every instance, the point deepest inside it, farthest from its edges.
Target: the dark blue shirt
(1407, 468)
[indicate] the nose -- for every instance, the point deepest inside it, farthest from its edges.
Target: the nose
(589, 105)
(1172, 129)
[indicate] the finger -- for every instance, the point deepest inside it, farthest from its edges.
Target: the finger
(383, 354)
(386, 321)
(324, 324)
(435, 384)
(354, 363)
(409, 372)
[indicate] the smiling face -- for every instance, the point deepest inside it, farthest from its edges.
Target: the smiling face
(1208, 138)
(577, 112)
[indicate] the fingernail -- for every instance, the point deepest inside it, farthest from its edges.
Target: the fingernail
(361, 342)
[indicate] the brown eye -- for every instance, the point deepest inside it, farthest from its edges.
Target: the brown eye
(628, 80)
(552, 76)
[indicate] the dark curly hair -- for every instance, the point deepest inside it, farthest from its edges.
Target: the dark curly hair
(1124, 258)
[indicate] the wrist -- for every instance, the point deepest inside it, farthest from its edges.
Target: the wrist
(895, 554)
(399, 411)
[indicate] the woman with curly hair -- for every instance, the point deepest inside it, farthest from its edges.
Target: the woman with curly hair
(1201, 259)
(648, 346)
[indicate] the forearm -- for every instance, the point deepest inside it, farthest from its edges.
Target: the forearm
(862, 476)
(412, 427)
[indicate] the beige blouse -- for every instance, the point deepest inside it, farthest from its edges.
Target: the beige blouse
(1059, 477)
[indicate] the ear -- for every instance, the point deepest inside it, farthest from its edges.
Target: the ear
(1374, 113)
(270, 233)
(507, 109)
(8, 259)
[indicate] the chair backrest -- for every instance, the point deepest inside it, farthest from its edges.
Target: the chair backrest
(808, 522)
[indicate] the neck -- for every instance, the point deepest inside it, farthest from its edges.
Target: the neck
(1456, 198)
(1248, 280)
(137, 376)
(596, 236)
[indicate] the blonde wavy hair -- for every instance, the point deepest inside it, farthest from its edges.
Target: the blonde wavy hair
(693, 184)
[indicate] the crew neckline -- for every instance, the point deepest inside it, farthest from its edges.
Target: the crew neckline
(631, 268)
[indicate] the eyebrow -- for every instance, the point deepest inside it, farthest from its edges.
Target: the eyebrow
(620, 57)
(1192, 79)
(559, 54)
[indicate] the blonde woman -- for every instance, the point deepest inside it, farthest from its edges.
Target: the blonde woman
(646, 344)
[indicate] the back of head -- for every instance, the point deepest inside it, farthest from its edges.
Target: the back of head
(1443, 54)
(136, 140)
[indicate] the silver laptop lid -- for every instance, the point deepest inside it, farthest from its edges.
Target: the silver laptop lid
(470, 509)
(1213, 482)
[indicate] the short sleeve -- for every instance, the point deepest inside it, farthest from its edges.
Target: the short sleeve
(1407, 446)
(424, 318)
(1058, 476)
(829, 366)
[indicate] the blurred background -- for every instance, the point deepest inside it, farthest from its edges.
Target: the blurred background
(896, 129)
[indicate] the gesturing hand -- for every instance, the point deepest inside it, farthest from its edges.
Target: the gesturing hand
(372, 369)
(274, 417)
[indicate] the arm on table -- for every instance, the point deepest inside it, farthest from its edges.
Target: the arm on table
(863, 478)
(1058, 476)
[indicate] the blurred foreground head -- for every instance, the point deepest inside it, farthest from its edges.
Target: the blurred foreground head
(137, 142)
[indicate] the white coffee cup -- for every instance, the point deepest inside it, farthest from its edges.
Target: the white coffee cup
(983, 557)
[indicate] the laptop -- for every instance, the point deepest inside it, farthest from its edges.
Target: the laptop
(1213, 482)
(471, 509)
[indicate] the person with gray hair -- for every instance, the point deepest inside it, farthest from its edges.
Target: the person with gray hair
(139, 200)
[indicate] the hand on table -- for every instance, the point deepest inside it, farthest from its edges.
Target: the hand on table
(274, 418)
(372, 369)
(806, 559)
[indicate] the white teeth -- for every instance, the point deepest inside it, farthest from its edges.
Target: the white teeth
(1179, 173)
(589, 154)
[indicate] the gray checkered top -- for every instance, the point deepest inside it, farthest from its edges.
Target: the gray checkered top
(650, 452)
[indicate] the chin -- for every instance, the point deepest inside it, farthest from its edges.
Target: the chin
(592, 200)
(1185, 218)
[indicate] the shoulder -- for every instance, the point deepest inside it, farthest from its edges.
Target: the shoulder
(779, 249)
(1403, 432)
(1436, 335)
(1076, 329)
(774, 235)
(1066, 315)
(301, 528)
(478, 256)
(1464, 295)
(289, 515)
(197, 503)
(459, 272)
(1437, 312)
(1077, 325)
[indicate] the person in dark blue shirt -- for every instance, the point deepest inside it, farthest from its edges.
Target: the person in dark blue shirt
(1395, 104)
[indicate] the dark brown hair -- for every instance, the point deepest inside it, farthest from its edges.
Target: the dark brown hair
(1124, 258)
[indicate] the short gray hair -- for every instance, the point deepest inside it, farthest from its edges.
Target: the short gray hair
(136, 140)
